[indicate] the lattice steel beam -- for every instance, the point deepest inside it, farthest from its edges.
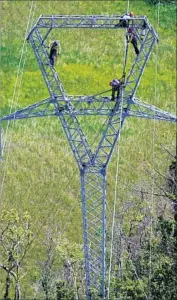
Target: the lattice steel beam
(140, 109)
(43, 108)
(88, 21)
(90, 106)
(93, 191)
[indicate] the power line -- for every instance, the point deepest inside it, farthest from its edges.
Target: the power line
(14, 93)
(153, 159)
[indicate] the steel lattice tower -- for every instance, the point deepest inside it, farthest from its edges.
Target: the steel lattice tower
(92, 165)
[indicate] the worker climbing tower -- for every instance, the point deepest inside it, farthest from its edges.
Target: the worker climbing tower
(92, 164)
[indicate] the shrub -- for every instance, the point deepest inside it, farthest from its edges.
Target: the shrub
(154, 2)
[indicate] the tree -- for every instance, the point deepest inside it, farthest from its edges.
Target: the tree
(172, 189)
(61, 268)
(149, 256)
(15, 240)
(47, 280)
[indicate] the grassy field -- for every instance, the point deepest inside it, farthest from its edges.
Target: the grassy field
(38, 171)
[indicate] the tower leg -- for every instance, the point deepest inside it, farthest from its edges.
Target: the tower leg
(93, 191)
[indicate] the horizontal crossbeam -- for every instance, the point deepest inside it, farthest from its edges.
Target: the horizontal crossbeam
(89, 21)
(90, 105)
(83, 105)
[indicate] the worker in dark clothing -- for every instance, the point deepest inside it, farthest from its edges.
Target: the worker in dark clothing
(130, 36)
(54, 52)
(116, 85)
(143, 32)
(124, 23)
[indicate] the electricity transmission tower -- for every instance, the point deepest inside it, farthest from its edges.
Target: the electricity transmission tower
(92, 164)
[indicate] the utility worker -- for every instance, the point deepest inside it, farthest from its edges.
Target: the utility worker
(116, 85)
(143, 32)
(130, 36)
(124, 23)
(93, 20)
(54, 52)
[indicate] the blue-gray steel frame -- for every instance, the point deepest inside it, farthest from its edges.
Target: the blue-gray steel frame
(90, 106)
(92, 166)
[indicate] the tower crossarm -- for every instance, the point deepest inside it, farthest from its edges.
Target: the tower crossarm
(82, 106)
(143, 110)
(88, 21)
(43, 108)
(89, 105)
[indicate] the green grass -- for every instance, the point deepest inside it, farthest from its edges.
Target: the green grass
(41, 175)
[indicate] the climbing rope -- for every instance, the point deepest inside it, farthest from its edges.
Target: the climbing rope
(101, 93)
(126, 45)
(115, 201)
(117, 167)
(125, 60)
(125, 57)
(127, 6)
(153, 159)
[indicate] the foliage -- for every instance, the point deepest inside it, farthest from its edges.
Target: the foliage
(153, 276)
(16, 238)
(154, 2)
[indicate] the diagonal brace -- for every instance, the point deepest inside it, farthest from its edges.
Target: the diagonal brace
(143, 110)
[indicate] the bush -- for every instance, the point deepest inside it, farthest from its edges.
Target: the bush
(154, 2)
